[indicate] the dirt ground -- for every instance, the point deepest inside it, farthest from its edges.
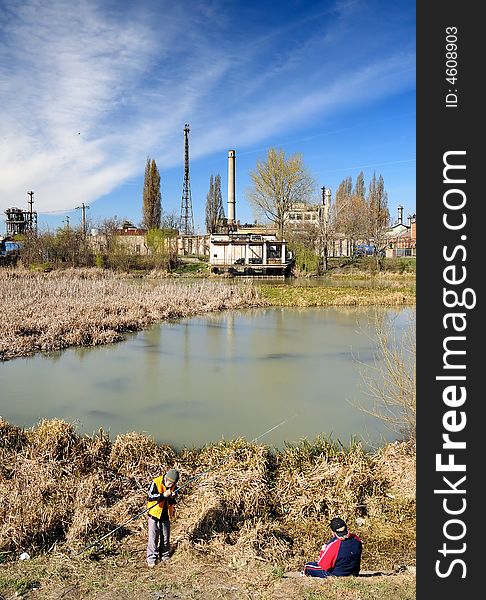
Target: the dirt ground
(122, 574)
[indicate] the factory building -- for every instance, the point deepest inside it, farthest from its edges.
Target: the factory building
(253, 251)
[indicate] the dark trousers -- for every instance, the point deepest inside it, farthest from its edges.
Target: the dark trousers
(313, 570)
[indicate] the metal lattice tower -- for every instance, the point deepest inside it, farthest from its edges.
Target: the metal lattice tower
(187, 219)
(32, 218)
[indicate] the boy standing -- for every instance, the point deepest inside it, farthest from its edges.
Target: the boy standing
(162, 496)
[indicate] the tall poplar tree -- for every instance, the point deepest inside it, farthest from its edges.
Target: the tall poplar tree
(359, 186)
(378, 214)
(378, 204)
(152, 199)
(343, 193)
(351, 212)
(214, 204)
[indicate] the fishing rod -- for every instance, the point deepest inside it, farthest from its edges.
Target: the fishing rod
(253, 441)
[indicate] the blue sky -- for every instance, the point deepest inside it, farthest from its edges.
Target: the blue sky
(89, 90)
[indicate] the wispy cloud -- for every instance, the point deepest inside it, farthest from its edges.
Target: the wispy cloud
(89, 90)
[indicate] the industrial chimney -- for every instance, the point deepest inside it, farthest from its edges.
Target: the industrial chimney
(400, 215)
(327, 205)
(231, 187)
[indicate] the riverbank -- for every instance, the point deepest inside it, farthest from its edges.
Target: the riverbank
(45, 312)
(338, 296)
(253, 516)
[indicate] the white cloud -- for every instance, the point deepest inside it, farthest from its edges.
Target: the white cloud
(88, 90)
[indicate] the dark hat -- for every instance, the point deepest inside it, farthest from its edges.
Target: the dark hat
(172, 475)
(339, 527)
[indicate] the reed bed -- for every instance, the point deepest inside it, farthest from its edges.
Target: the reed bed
(44, 312)
(239, 501)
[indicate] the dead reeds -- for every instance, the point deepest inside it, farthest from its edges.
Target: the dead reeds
(245, 502)
(44, 312)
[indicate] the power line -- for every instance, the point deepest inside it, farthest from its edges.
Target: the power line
(83, 208)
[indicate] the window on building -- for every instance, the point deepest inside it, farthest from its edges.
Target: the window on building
(272, 252)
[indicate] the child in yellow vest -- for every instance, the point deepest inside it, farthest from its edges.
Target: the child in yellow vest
(161, 499)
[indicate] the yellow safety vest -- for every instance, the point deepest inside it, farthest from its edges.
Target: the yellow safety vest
(156, 509)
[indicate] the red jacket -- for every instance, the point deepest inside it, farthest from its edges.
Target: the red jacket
(341, 556)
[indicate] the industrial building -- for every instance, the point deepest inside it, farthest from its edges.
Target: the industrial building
(237, 250)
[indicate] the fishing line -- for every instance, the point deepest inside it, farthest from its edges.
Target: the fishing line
(254, 440)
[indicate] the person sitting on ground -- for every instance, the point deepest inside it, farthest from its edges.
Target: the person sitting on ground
(162, 496)
(340, 557)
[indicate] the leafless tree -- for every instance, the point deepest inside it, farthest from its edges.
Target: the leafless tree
(390, 381)
(278, 183)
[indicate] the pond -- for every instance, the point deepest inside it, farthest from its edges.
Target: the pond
(296, 372)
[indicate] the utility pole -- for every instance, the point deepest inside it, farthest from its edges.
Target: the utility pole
(83, 216)
(187, 220)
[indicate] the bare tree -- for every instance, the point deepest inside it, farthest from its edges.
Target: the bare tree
(112, 253)
(278, 183)
(378, 203)
(343, 192)
(171, 221)
(359, 186)
(352, 218)
(390, 381)
(326, 238)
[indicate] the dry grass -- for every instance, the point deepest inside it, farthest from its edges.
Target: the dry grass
(246, 515)
(44, 312)
(250, 505)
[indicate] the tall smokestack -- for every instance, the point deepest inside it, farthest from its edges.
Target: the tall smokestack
(231, 187)
(400, 215)
(327, 204)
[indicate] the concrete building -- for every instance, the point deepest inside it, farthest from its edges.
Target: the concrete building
(402, 240)
(249, 254)
(197, 245)
(246, 250)
(303, 214)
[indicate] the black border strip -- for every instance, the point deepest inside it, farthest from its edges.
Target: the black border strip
(449, 211)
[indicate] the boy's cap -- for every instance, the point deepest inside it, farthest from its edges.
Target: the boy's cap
(172, 475)
(339, 526)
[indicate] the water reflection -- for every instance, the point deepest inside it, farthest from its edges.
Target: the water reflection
(214, 377)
